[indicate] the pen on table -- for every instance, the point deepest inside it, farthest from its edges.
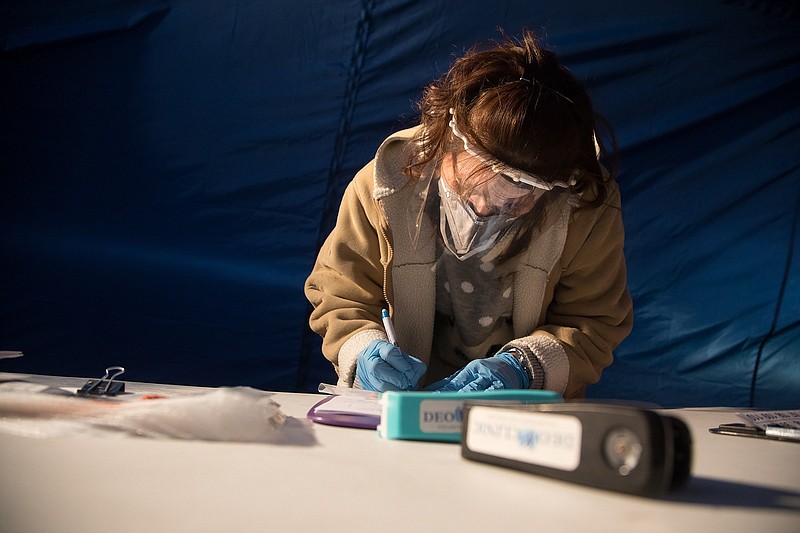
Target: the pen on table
(388, 326)
(782, 432)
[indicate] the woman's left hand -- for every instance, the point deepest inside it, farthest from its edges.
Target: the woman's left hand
(501, 371)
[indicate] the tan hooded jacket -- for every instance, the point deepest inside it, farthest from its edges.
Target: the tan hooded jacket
(571, 307)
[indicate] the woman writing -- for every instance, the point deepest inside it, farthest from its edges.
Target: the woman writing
(492, 234)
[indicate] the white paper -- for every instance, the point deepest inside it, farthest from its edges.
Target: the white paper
(351, 405)
(762, 419)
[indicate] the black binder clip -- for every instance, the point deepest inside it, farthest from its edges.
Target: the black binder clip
(105, 386)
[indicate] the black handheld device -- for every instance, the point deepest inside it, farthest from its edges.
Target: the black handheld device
(613, 447)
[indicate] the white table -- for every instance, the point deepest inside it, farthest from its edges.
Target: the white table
(331, 479)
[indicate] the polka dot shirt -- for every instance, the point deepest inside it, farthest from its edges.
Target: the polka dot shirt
(474, 303)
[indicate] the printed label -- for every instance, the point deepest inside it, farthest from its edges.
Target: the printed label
(440, 416)
(551, 440)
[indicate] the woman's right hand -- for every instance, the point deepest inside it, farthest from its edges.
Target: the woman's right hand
(382, 366)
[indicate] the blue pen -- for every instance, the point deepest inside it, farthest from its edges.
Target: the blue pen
(388, 326)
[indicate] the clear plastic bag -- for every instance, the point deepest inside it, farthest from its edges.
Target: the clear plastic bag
(231, 414)
(238, 414)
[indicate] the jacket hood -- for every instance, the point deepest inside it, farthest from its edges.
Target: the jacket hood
(390, 160)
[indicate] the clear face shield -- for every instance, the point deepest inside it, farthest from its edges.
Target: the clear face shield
(480, 197)
(475, 212)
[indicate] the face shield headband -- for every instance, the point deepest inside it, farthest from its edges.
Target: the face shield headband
(501, 168)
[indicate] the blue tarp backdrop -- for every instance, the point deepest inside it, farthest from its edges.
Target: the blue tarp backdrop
(170, 168)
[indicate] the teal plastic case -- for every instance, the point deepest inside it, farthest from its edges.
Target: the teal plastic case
(438, 415)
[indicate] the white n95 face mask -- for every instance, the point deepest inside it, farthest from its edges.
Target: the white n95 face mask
(465, 233)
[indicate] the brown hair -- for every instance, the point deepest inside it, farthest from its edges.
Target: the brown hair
(516, 102)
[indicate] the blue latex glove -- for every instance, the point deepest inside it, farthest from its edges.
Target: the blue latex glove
(383, 366)
(501, 371)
